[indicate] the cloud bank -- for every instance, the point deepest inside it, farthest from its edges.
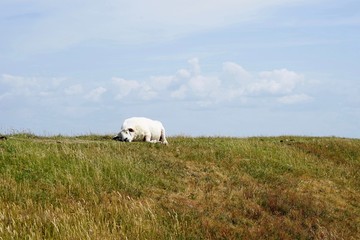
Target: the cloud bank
(232, 84)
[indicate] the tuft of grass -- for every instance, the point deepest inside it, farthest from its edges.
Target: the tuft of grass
(90, 187)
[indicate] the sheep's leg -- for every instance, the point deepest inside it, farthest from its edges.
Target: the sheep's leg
(148, 139)
(163, 138)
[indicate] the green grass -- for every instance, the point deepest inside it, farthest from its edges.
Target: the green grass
(90, 187)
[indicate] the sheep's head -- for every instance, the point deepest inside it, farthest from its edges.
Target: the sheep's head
(126, 135)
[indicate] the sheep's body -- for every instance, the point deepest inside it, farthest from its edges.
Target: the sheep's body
(142, 129)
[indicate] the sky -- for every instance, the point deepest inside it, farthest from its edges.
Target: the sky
(234, 68)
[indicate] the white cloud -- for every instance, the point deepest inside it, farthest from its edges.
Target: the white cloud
(45, 94)
(233, 83)
(143, 90)
(294, 99)
(235, 72)
(19, 81)
(162, 82)
(180, 93)
(183, 73)
(280, 81)
(195, 66)
(20, 86)
(95, 94)
(4, 96)
(29, 86)
(204, 86)
(125, 87)
(147, 92)
(74, 89)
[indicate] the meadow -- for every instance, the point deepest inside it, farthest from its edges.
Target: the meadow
(91, 187)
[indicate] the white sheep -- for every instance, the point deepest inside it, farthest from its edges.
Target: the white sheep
(141, 129)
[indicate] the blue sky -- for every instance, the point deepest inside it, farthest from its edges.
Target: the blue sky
(214, 68)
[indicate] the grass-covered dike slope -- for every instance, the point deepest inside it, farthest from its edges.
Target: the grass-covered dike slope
(91, 187)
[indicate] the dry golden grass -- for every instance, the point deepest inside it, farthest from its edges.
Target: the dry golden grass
(91, 187)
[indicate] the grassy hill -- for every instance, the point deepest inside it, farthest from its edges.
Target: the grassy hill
(91, 187)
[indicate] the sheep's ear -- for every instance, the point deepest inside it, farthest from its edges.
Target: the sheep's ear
(131, 130)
